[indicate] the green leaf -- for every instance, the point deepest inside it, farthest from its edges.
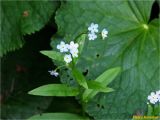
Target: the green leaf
(79, 78)
(81, 41)
(105, 78)
(106, 90)
(58, 116)
(22, 17)
(108, 76)
(53, 55)
(132, 43)
(54, 90)
(94, 85)
(90, 93)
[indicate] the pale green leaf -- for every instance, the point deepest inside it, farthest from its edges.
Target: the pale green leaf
(54, 90)
(53, 55)
(90, 93)
(105, 90)
(108, 76)
(58, 116)
(105, 78)
(81, 41)
(95, 85)
(79, 78)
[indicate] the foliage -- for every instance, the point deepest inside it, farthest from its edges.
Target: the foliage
(105, 78)
(19, 18)
(55, 90)
(132, 43)
(57, 116)
(63, 90)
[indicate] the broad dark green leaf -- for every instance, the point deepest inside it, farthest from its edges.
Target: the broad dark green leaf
(22, 17)
(54, 90)
(132, 43)
(53, 55)
(58, 116)
(79, 78)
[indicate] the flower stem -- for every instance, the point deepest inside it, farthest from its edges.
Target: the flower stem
(60, 67)
(83, 108)
(80, 35)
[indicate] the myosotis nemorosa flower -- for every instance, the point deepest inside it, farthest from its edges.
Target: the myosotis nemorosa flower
(53, 73)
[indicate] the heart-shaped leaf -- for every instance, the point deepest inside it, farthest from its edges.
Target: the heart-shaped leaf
(22, 17)
(132, 43)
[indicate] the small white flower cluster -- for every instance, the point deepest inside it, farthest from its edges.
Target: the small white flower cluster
(71, 49)
(53, 73)
(154, 97)
(93, 29)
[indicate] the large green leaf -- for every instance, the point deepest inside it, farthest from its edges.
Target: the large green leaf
(54, 90)
(58, 116)
(132, 43)
(22, 17)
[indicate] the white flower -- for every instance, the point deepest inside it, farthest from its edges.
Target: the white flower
(62, 47)
(73, 46)
(93, 28)
(53, 73)
(104, 33)
(153, 98)
(67, 58)
(158, 94)
(92, 36)
(74, 52)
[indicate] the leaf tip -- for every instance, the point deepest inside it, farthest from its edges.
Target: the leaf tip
(42, 51)
(118, 69)
(30, 92)
(85, 85)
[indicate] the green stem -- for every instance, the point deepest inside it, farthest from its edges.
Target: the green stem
(153, 113)
(60, 67)
(73, 64)
(80, 35)
(83, 108)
